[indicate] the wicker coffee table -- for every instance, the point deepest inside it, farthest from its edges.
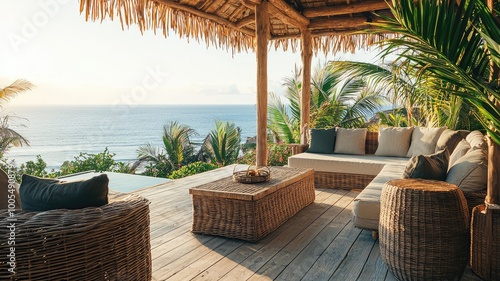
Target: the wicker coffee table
(251, 211)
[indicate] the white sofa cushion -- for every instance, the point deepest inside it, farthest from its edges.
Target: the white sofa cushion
(366, 211)
(343, 163)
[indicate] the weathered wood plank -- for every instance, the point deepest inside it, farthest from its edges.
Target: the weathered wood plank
(374, 269)
(353, 263)
(279, 262)
(313, 251)
(255, 261)
(333, 255)
(248, 249)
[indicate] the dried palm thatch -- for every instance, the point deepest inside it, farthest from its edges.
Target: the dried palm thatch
(230, 24)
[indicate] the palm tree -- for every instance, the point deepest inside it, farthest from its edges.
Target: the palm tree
(222, 145)
(445, 46)
(336, 100)
(177, 148)
(8, 136)
(422, 105)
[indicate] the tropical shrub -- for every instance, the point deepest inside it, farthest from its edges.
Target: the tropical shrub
(100, 162)
(192, 169)
(277, 154)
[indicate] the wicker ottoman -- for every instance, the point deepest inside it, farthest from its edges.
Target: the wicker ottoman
(251, 211)
(424, 229)
(485, 242)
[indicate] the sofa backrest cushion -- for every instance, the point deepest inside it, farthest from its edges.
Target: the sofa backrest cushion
(424, 140)
(394, 141)
(449, 139)
(477, 139)
(322, 140)
(432, 167)
(470, 172)
(39, 194)
(350, 141)
(460, 150)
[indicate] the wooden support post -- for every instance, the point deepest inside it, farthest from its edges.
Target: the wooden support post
(493, 195)
(493, 191)
(262, 36)
(305, 103)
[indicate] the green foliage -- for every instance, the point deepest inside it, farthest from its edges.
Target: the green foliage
(177, 151)
(160, 168)
(100, 162)
(277, 155)
(222, 145)
(337, 99)
(445, 44)
(192, 169)
(35, 168)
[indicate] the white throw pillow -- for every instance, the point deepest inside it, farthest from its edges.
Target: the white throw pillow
(470, 172)
(460, 150)
(476, 139)
(424, 140)
(350, 141)
(394, 141)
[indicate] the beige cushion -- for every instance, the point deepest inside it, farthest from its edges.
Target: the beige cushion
(394, 141)
(350, 141)
(460, 150)
(476, 139)
(343, 163)
(424, 140)
(366, 210)
(470, 172)
(448, 139)
(8, 195)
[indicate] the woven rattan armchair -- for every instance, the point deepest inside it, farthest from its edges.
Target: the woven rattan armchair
(110, 242)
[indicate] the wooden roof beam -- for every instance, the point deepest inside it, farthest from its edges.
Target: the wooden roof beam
(353, 8)
(339, 22)
(246, 21)
(288, 14)
(175, 5)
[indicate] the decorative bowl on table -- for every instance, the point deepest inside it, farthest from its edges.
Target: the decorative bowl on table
(253, 174)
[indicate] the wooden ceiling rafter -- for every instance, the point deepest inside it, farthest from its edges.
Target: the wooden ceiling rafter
(346, 9)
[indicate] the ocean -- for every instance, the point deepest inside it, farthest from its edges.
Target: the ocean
(61, 133)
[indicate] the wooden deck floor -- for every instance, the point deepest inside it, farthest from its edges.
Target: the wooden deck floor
(319, 243)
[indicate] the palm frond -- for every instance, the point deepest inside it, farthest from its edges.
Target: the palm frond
(14, 89)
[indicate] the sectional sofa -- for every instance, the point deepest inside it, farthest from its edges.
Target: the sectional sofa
(362, 160)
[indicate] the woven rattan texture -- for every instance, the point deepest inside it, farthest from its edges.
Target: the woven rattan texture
(106, 243)
(226, 187)
(341, 180)
(485, 243)
(251, 220)
(424, 230)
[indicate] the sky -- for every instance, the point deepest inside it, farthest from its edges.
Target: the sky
(72, 61)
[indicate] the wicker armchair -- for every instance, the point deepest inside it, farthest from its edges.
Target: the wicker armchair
(105, 243)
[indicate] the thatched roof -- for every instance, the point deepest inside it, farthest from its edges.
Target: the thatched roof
(230, 24)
